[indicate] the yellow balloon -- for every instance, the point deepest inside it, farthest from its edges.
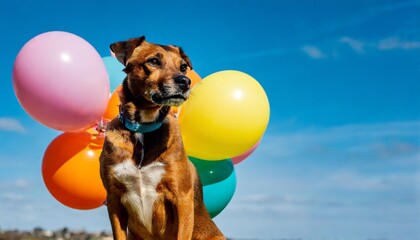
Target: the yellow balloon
(226, 114)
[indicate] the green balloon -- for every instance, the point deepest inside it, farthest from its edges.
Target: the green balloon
(218, 195)
(212, 171)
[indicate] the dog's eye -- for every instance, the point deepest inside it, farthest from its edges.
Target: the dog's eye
(183, 67)
(154, 61)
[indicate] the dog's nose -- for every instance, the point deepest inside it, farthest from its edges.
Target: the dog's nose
(183, 82)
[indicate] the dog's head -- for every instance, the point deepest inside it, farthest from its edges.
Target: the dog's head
(154, 72)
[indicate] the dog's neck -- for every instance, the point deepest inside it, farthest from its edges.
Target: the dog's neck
(139, 111)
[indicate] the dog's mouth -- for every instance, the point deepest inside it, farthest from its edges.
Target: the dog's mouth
(172, 100)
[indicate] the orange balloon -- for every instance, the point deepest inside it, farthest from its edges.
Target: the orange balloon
(70, 169)
(194, 77)
(113, 109)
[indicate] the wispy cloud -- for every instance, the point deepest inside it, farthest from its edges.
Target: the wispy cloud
(330, 50)
(284, 199)
(327, 178)
(15, 184)
(21, 183)
(392, 43)
(348, 197)
(354, 44)
(313, 52)
(334, 190)
(28, 203)
(10, 124)
(354, 181)
(374, 130)
(339, 169)
(377, 144)
(7, 196)
(331, 47)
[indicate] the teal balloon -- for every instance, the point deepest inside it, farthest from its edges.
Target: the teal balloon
(115, 71)
(219, 183)
(212, 171)
(218, 195)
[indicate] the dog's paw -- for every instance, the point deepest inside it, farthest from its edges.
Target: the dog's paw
(125, 171)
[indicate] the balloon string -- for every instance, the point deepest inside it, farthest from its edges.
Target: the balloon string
(101, 128)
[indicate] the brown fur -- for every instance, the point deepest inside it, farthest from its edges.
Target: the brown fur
(178, 211)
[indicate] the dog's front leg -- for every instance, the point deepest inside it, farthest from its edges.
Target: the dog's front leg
(117, 147)
(185, 209)
(118, 217)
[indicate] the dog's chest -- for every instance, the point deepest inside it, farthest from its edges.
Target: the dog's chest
(141, 188)
(150, 177)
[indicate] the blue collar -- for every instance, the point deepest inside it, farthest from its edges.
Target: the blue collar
(139, 127)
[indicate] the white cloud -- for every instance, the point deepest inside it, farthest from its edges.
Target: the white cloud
(323, 166)
(354, 181)
(7, 196)
(329, 200)
(313, 52)
(357, 46)
(21, 183)
(394, 141)
(388, 129)
(284, 199)
(392, 43)
(10, 124)
(15, 184)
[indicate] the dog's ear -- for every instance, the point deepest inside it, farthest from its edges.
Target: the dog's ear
(185, 57)
(124, 49)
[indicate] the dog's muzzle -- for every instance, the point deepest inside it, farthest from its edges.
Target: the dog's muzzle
(172, 100)
(173, 94)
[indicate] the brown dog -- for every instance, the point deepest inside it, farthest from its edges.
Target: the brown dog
(154, 191)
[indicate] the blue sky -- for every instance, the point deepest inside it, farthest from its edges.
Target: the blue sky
(341, 155)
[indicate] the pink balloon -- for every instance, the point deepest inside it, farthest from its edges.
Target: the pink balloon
(246, 154)
(61, 81)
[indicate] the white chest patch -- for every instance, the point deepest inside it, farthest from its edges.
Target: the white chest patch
(141, 185)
